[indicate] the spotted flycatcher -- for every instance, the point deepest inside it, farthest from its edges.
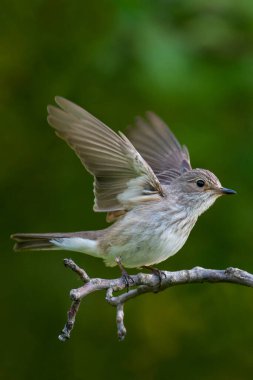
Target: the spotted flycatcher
(147, 188)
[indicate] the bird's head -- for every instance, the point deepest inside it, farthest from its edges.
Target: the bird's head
(198, 189)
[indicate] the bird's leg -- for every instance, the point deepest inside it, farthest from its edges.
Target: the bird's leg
(125, 276)
(159, 273)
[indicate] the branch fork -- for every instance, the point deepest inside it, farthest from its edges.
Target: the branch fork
(141, 283)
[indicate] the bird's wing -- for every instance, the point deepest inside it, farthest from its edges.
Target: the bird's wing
(122, 178)
(159, 147)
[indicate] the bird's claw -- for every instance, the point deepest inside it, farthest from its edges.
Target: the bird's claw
(126, 278)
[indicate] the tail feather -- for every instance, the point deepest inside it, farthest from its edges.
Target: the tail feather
(33, 241)
(34, 245)
(28, 241)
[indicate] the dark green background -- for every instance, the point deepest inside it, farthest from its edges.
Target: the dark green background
(192, 63)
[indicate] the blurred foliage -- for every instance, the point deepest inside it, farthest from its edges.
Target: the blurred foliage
(192, 63)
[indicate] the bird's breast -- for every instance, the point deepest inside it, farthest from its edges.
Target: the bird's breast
(149, 242)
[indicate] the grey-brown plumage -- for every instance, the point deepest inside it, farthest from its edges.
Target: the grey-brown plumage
(111, 158)
(43, 241)
(147, 187)
(159, 148)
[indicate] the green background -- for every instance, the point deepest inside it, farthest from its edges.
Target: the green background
(192, 63)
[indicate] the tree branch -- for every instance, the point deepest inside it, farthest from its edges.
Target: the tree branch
(142, 283)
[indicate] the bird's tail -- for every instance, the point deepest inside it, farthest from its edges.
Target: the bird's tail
(34, 241)
(77, 241)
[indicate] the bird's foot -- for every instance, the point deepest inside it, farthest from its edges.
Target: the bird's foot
(127, 279)
(157, 272)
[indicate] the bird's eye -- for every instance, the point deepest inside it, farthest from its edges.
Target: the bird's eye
(200, 183)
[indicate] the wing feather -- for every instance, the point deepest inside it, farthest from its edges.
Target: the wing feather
(122, 178)
(159, 147)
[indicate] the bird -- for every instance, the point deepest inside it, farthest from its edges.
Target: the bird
(144, 183)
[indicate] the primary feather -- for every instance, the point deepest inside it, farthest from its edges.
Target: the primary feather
(159, 147)
(122, 177)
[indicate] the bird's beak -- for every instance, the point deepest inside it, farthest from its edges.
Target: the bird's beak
(223, 190)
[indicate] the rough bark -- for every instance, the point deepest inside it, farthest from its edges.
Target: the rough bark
(139, 284)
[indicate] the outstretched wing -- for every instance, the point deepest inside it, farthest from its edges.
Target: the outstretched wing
(122, 178)
(159, 147)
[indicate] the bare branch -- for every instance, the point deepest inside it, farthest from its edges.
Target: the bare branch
(120, 321)
(142, 283)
